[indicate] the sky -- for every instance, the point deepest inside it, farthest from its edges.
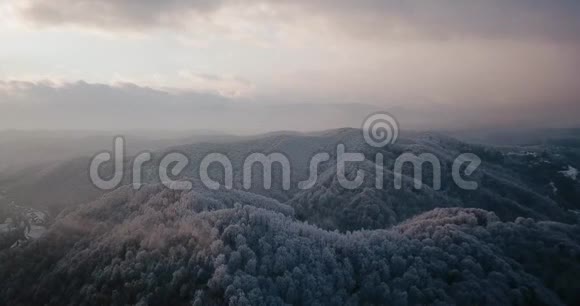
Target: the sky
(258, 65)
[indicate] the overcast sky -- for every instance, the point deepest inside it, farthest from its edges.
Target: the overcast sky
(67, 63)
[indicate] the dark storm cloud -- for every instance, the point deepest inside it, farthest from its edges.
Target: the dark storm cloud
(514, 19)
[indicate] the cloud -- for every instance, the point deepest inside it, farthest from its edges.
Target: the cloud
(225, 85)
(501, 58)
(111, 13)
(491, 19)
(88, 106)
(444, 19)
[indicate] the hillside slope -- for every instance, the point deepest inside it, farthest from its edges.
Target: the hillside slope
(157, 246)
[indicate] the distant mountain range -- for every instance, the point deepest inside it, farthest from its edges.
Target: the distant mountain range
(515, 180)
